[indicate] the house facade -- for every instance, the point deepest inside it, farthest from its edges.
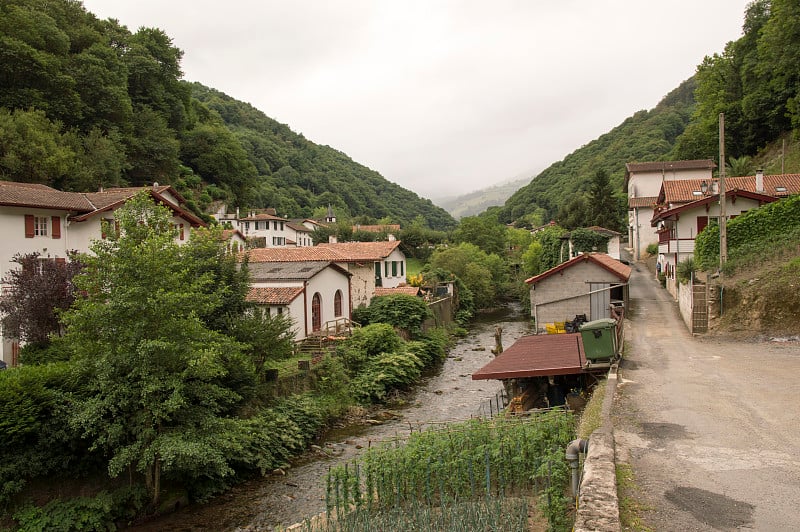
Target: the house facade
(643, 183)
(268, 230)
(371, 264)
(587, 284)
(315, 295)
(685, 208)
(39, 219)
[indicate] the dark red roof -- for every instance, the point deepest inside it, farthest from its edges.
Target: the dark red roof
(537, 356)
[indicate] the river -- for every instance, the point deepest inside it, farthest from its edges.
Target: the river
(447, 394)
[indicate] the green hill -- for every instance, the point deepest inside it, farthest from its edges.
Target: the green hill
(86, 103)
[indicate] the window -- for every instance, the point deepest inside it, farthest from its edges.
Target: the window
(281, 226)
(394, 268)
(40, 225)
(386, 269)
(337, 303)
(316, 312)
(274, 225)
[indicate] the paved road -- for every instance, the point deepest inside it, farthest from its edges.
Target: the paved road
(710, 427)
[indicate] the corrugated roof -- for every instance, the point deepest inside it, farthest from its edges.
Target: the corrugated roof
(273, 295)
(537, 356)
(623, 271)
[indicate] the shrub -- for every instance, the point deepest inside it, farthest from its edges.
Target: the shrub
(652, 249)
(366, 343)
(401, 311)
(387, 372)
(686, 270)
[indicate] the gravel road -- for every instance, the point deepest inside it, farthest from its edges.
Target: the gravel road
(709, 426)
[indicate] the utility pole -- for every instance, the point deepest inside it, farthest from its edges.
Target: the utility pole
(723, 230)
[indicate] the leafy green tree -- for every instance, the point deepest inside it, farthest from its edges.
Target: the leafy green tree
(486, 232)
(575, 212)
(401, 311)
(485, 275)
(740, 166)
(153, 369)
(32, 148)
(152, 149)
(264, 337)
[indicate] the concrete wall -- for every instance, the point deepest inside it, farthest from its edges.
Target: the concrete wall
(563, 295)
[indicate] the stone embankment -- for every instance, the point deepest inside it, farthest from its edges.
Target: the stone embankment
(598, 506)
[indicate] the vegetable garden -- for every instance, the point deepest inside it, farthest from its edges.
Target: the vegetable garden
(482, 474)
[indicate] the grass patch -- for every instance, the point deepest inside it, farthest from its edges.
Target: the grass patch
(413, 266)
(591, 417)
(630, 508)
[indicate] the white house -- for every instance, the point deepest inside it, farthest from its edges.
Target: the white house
(643, 183)
(39, 219)
(685, 208)
(314, 294)
(372, 264)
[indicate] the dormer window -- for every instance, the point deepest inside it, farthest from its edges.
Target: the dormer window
(780, 189)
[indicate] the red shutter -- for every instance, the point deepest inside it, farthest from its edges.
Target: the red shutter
(181, 226)
(702, 222)
(56, 226)
(29, 231)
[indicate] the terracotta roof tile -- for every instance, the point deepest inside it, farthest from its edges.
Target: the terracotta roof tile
(406, 290)
(690, 190)
(643, 201)
(623, 271)
(273, 295)
(537, 356)
(42, 196)
(343, 252)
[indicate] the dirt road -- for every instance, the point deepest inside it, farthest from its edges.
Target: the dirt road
(711, 428)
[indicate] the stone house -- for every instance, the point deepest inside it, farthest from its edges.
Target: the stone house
(587, 284)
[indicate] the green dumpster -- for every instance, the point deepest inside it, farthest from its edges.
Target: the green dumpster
(599, 339)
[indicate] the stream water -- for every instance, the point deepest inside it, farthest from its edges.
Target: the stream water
(448, 394)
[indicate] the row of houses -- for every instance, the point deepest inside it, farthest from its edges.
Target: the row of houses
(670, 203)
(316, 286)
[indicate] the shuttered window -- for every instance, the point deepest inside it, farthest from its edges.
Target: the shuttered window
(56, 223)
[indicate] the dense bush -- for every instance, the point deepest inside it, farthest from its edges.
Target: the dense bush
(401, 311)
(385, 373)
(368, 342)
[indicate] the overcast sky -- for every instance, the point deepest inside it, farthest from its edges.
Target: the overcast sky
(442, 97)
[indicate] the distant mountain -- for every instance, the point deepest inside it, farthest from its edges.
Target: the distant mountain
(478, 201)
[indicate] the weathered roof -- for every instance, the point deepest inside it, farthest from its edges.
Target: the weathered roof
(343, 252)
(273, 295)
(623, 271)
(780, 185)
(642, 201)
(665, 166)
(406, 290)
(537, 356)
(376, 228)
(290, 271)
(262, 216)
(603, 231)
(665, 214)
(15, 194)
(85, 204)
(299, 227)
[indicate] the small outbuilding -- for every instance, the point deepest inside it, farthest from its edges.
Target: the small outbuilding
(591, 284)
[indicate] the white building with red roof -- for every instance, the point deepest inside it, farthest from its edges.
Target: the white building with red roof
(372, 264)
(684, 208)
(643, 182)
(36, 218)
(315, 295)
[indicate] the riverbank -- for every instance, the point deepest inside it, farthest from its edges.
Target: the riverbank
(445, 395)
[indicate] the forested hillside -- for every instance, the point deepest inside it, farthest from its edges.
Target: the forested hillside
(85, 103)
(755, 82)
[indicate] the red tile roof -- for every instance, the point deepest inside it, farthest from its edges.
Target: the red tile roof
(665, 214)
(273, 295)
(344, 252)
(687, 190)
(623, 271)
(407, 290)
(643, 201)
(262, 216)
(537, 356)
(15, 194)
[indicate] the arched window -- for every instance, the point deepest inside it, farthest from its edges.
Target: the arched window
(316, 312)
(337, 304)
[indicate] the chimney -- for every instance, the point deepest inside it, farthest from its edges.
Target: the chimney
(332, 239)
(391, 238)
(760, 181)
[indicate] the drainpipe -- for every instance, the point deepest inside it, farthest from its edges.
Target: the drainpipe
(574, 450)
